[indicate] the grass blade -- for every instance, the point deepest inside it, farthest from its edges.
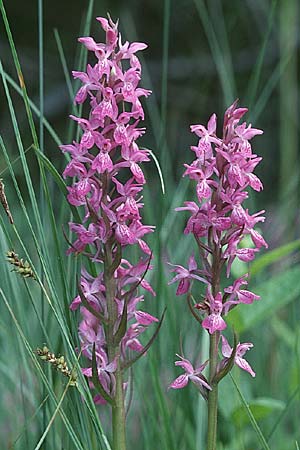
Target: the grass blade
(254, 424)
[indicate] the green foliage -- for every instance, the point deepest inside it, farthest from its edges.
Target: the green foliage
(260, 408)
(38, 408)
(273, 256)
(277, 292)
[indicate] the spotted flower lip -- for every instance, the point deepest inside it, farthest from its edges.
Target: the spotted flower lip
(214, 321)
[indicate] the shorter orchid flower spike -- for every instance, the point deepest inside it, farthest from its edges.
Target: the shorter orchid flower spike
(240, 351)
(195, 375)
(222, 173)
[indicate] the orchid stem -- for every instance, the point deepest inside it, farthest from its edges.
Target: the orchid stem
(118, 414)
(118, 409)
(213, 394)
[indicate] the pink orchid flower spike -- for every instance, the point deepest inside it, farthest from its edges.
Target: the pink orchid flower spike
(222, 174)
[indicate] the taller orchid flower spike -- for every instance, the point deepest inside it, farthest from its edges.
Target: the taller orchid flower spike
(223, 171)
(107, 183)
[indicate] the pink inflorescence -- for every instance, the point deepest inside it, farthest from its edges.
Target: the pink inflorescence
(223, 170)
(106, 167)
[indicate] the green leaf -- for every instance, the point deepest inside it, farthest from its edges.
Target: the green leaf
(260, 408)
(96, 382)
(65, 70)
(128, 364)
(159, 171)
(275, 293)
(217, 38)
(253, 85)
(122, 326)
(229, 365)
(57, 178)
(34, 108)
(283, 331)
(51, 393)
(249, 413)
(86, 304)
(273, 256)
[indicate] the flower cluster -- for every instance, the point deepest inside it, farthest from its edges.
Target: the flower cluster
(223, 170)
(108, 179)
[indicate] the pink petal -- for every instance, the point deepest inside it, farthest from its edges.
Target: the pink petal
(87, 371)
(214, 322)
(81, 95)
(255, 182)
(235, 175)
(137, 46)
(212, 124)
(199, 382)
(185, 364)
(257, 239)
(75, 303)
(144, 247)
(134, 344)
(226, 349)
(144, 318)
(203, 190)
(148, 287)
(199, 130)
(239, 216)
(247, 296)
(104, 23)
(123, 234)
(112, 367)
(180, 382)
(222, 223)
(89, 43)
(243, 348)
(251, 132)
(98, 400)
(87, 140)
(246, 254)
(243, 364)
(102, 162)
(137, 173)
(192, 263)
(183, 286)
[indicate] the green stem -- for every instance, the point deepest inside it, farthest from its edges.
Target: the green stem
(118, 409)
(212, 413)
(111, 304)
(213, 394)
(118, 414)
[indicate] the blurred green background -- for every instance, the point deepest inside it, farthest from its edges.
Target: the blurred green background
(202, 55)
